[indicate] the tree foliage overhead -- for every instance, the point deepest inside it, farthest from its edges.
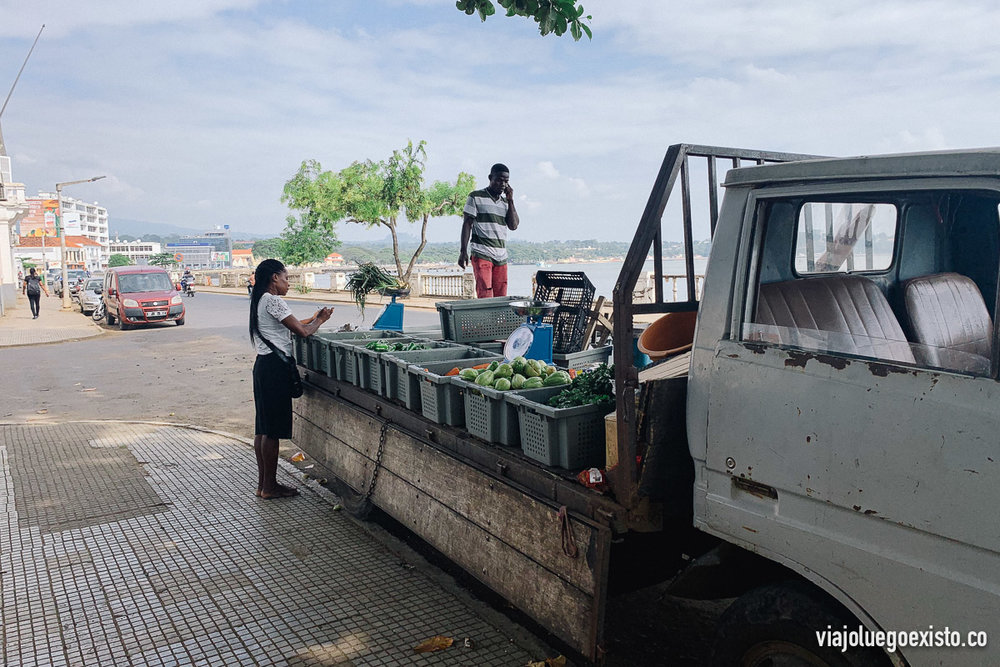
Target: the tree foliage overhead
(375, 194)
(552, 16)
(118, 260)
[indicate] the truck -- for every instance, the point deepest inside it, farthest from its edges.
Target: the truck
(826, 453)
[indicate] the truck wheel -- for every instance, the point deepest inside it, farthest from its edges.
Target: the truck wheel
(123, 325)
(110, 318)
(777, 624)
(180, 322)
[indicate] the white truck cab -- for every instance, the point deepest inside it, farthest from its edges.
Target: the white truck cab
(843, 407)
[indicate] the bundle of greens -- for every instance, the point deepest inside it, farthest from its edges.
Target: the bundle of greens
(588, 387)
(383, 346)
(370, 278)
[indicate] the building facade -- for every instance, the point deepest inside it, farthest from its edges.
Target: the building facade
(79, 217)
(137, 251)
(45, 252)
(12, 208)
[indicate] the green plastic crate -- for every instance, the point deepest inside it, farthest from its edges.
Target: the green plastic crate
(344, 353)
(371, 374)
(436, 351)
(578, 360)
(408, 383)
(489, 415)
(440, 400)
(571, 438)
(472, 320)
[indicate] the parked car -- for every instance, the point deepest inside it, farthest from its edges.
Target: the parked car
(90, 295)
(135, 295)
(75, 278)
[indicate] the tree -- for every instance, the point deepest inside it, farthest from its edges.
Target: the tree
(302, 244)
(375, 194)
(162, 259)
(118, 260)
(551, 15)
(267, 249)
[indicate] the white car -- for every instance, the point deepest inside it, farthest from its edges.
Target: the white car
(90, 295)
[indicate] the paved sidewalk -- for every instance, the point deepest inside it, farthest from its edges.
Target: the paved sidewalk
(142, 544)
(53, 324)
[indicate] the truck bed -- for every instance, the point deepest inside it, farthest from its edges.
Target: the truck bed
(489, 509)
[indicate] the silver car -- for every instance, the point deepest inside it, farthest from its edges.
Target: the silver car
(90, 295)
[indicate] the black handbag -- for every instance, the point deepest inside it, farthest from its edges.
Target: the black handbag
(294, 379)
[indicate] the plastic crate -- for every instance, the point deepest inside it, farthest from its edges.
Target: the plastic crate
(577, 360)
(434, 351)
(494, 346)
(472, 320)
(440, 400)
(489, 415)
(370, 370)
(571, 438)
(575, 294)
(407, 388)
(345, 363)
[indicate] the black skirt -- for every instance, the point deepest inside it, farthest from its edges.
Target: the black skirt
(271, 397)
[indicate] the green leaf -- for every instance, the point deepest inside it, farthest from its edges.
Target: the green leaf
(586, 29)
(575, 30)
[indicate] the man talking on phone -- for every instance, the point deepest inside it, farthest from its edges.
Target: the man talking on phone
(488, 214)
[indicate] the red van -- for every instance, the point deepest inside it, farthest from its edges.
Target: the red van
(141, 295)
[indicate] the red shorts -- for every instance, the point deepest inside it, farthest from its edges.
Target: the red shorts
(491, 279)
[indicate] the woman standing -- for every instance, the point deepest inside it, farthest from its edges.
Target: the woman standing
(271, 319)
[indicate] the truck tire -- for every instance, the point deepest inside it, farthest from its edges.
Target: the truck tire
(777, 624)
(110, 318)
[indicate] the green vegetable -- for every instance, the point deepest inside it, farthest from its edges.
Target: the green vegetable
(532, 383)
(469, 374)
(503, 384)
(493, 366)
(504, 371)
(531, 369)
(557, 378)
(517, 382)
(547, 370)
(485, 379)
(370, 278)
(518, 365)
(587, 388)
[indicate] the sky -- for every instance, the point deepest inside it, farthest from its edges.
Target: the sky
(198, 111)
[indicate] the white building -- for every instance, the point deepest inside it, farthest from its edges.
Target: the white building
(12, 209)
(138, 251)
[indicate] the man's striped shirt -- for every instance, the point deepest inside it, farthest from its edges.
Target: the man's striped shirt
(489, 229)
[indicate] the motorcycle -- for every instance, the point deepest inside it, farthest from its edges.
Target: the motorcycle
(98, 313)
(187, 286)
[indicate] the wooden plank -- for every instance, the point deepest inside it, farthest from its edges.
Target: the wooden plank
(469, 493)
(671, 368)
(560, 607)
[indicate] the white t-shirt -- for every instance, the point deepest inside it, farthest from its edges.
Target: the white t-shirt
(270, 311)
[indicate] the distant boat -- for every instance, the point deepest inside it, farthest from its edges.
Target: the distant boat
(540, 264)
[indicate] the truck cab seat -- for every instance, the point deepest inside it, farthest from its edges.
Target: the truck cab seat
(947, 314)
(840, 313)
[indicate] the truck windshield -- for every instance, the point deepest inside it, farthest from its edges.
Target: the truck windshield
(145, 282)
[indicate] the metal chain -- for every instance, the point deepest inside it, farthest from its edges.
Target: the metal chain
(378, 460)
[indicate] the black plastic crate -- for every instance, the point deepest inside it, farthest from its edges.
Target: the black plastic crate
(575, 294)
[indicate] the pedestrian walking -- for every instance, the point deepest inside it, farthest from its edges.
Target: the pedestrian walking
(33, 287)
(488, 215)
(271, 326)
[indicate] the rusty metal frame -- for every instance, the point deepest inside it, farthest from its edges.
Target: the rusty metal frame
(649, 234)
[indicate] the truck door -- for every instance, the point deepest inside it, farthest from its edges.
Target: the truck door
(853, 430)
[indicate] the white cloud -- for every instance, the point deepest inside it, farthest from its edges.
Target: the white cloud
(547, 169)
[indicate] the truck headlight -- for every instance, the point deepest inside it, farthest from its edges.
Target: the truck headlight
(130, 303)
(176, 300)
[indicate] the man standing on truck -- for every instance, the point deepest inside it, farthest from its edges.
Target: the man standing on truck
(489, 213)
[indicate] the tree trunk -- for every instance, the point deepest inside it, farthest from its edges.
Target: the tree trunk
(395, 246)
(420, 248)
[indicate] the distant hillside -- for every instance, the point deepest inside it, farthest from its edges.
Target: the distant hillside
(142, 228)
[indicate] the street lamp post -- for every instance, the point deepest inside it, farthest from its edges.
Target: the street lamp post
(62, 238)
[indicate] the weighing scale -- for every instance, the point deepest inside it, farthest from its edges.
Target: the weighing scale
(391, 318)
(533, 339)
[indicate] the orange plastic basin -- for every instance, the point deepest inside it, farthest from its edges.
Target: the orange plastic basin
(671, 334)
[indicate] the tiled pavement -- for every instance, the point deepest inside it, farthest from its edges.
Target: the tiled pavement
(139, 544)
(52, 325)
